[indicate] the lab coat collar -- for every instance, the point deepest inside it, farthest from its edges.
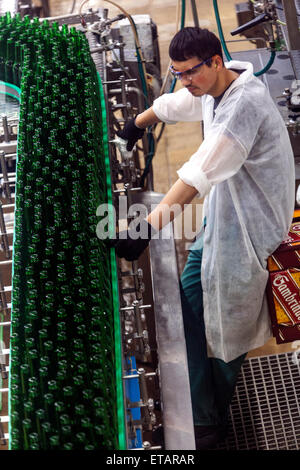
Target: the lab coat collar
(242, 78)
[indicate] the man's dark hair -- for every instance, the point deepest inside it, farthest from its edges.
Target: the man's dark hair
(193, 41)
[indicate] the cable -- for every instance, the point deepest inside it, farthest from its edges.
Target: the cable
(161, 132)
(266, 68)
(182, 14)
(222, 39)
(173, 84)
(73, 7)
(195, 13)
(133, 27)
(81, 5)
(181, 27)
(168, 69)
(152, 151)
(143, 75)
(152, 146)
(174, 81)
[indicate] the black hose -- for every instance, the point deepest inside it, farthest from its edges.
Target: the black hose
(73, 7)
(195, 13)
(46, 9)
(161, 132)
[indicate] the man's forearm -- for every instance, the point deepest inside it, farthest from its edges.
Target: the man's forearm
(179, 195)
(146, 118)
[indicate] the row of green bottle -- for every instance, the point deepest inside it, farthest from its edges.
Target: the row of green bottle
(62, 370)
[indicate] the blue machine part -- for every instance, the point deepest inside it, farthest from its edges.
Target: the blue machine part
(132, 391)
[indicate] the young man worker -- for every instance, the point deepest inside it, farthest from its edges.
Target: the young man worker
(245, 170)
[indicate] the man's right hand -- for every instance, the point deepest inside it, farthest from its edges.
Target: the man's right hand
(128, 245)
(131, 133)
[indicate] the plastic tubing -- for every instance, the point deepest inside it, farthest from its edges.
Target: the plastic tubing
(222, 39)
(173, 84)
(182, 14)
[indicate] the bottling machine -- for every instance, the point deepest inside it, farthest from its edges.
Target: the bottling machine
(127, 86)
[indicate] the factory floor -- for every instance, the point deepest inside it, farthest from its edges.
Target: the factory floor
(181, 140)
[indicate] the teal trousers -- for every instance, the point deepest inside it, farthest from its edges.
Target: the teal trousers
(212, 381)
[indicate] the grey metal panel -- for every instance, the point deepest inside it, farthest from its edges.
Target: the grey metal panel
(174, 377)
(281, 75)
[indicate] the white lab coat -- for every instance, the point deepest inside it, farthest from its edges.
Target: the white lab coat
(245, 169)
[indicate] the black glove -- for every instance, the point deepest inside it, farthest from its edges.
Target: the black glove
(131, 133)
(129, 248)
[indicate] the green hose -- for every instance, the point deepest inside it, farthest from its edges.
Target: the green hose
(145, 92)
(222, 39)
(140, 69)
(271, 60)
(172, 88)
(182, 14)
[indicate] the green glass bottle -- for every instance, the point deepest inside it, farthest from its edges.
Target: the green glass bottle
(40, 418)
(27, 426)
(54, 441)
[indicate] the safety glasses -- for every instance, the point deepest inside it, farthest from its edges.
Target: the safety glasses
(188, 73)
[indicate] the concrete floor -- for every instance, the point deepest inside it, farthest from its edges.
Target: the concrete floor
(181, 140)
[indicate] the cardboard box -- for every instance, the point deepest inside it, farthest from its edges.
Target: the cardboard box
(287, 254)
(284, 304)
(283, 290)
